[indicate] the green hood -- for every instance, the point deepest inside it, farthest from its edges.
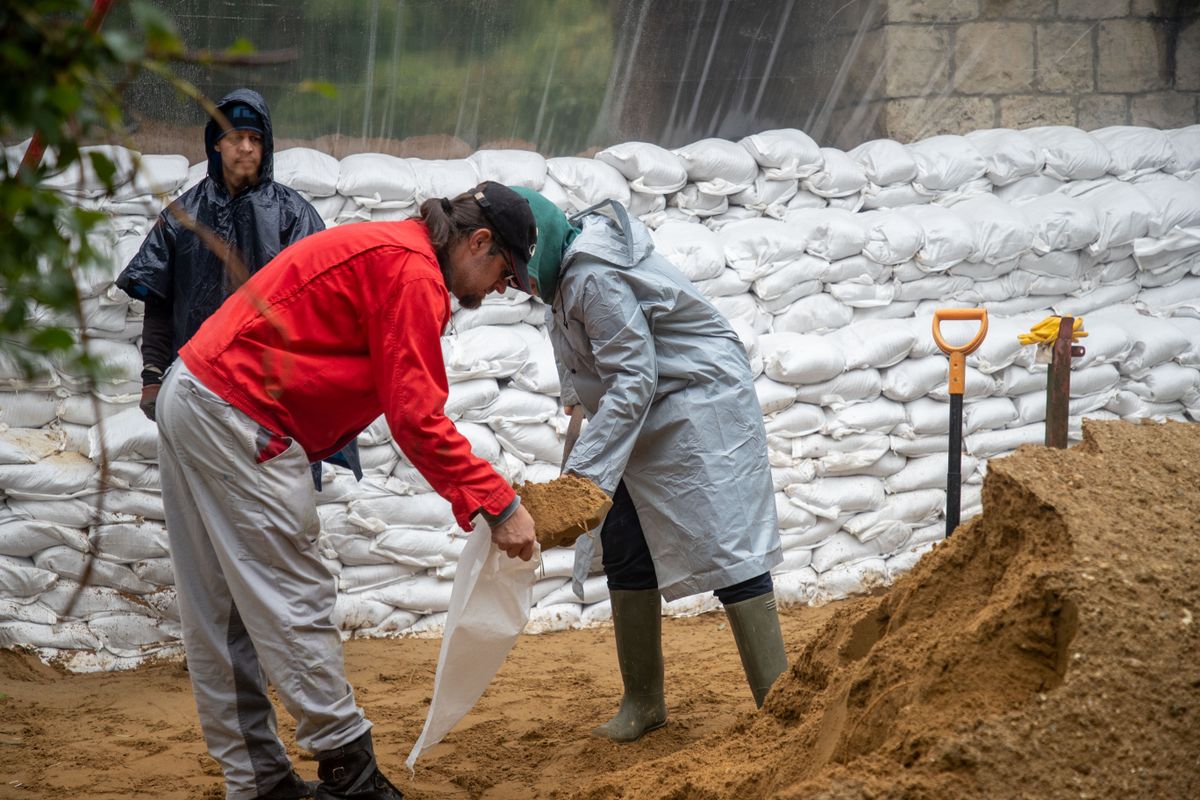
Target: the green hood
(554, 235)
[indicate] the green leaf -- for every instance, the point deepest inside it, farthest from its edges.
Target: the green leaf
(104, 167)
(323, 88)
(242, 47)
(51, 339)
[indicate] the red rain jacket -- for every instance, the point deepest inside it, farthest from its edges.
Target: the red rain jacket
(337, 329)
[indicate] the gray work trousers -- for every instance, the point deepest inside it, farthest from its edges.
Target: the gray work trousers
(254, 597)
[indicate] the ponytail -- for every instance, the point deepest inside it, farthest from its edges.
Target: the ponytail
(448, 221)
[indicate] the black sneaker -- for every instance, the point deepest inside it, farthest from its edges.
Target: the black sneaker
(350, 773)
(292, 787)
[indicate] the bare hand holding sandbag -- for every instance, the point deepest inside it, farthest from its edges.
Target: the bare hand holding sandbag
(564, 509)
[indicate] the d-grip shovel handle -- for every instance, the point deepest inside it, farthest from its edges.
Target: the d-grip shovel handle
(958, 355)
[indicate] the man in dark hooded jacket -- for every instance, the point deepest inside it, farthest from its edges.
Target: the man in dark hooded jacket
(179, 275)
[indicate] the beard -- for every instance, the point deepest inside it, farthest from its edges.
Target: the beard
(471, 301)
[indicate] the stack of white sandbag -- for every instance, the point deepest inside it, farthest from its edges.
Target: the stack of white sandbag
(829, 266)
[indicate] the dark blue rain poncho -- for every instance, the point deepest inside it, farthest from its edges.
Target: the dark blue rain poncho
(174, 265)
(174, 268)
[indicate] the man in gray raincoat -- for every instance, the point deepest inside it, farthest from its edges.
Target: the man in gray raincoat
(675, 436)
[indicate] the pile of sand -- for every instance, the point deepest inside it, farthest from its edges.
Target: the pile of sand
(1049, 649)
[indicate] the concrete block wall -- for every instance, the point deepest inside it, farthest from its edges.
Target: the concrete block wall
(952, 66)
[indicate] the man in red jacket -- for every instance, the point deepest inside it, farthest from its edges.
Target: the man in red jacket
(339, 328)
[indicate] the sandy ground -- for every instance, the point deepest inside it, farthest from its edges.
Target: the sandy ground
(1048, 650)
(135, 735)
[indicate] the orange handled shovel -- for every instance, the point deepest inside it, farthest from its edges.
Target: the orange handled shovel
(958, 381)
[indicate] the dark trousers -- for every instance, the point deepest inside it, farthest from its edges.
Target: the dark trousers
(627, 562)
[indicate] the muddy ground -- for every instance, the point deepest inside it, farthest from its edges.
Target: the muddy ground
(1048, 650)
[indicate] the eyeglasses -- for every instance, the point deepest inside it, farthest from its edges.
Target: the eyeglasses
(510, 271)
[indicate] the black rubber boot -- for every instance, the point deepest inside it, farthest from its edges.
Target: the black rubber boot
(291, 787)
(637, 623)
(350, 773)
(755, 625)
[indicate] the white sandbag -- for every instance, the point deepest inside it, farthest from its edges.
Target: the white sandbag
(755, 248)
(554, 191)
(127, 436)
(30, 611)
(785, 153)
(587, 181)
(417, 511)
(860, 293)
(988, 413)
(831, 497)
(28, 445)
(697, 204)
(842, 549)
(924, 416)
(946, 162)
(351, 549)
(1176, 204)
(497, 309)
(987, 444)
(59, 475)
(896, 196)
(1001, 232)
(421, 593)
(978, 385)
(925, 472)
(814, 314)
(885, 161)
(695, 250)
(70, 563)
(937, 286)
(1054, 264)
(789, 283)
(891, 237)
(854, 268)
(466, 396)
(767, 196)
(530, 442)
(557, 617)
(442, 177)
(1069, 153)
(1165, 383)
(368, 577)
(484, 443)
(157, 571)
(727, 284)
(22, 538)
(378, 459)
(510, 167)
(829, 233)
(948, 238)
(869, 461)
(25, 409)
(306, 170)
(647, 167)
(1185, 142)
(872, 343)
(839, 176)
(1153, 340)
(516, 405)
(126, 542)
(800, 419)
(799, 358)
(875, 416)
(1102, 297)
(1135, 150)
(62, 636)
(1010, 155)
(21, 577)
(1031, 408)
(744, 309)
(890, 526)
(487, 351)
(134, 635)
(354, 611)
(855, 386)
(373, 178)
(717, 166)
(915, 446)
(914, 377)
(772, 395)
(1190, 328)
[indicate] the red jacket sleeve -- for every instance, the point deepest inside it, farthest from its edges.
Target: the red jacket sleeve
(404, 337)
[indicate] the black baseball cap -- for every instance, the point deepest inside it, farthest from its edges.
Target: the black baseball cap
(511, 219)
(242, 118)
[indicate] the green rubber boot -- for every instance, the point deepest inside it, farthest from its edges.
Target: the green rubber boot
(755, 625)
(637, 622)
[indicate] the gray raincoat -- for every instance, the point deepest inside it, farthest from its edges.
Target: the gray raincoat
(672, 409)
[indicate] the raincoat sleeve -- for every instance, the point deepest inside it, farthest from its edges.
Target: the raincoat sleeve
(305, 221)
(624, 355)
(404, 336)
(150, 269)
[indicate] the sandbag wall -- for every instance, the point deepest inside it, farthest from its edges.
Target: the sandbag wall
(828, 263)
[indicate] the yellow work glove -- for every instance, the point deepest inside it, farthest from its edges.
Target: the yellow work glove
(1046, 331)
